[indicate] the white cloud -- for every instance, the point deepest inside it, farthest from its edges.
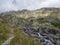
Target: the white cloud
(7, 5)
(51, 3)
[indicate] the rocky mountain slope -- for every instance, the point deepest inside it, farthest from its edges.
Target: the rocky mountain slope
(37, 27)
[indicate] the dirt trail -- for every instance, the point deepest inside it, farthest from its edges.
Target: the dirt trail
(7, 42)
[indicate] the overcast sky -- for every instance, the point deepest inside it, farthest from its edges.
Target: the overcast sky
(7, 5)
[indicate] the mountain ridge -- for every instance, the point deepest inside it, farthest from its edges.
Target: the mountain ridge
(42, 22)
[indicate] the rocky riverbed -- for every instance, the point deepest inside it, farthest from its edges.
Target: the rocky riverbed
(47, 36)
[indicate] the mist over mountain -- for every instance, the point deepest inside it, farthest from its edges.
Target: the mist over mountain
(8, 5)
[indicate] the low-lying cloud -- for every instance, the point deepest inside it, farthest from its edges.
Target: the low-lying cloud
(7, 5)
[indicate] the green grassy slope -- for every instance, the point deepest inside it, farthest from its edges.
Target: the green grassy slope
(22, 38)
(4, 32)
